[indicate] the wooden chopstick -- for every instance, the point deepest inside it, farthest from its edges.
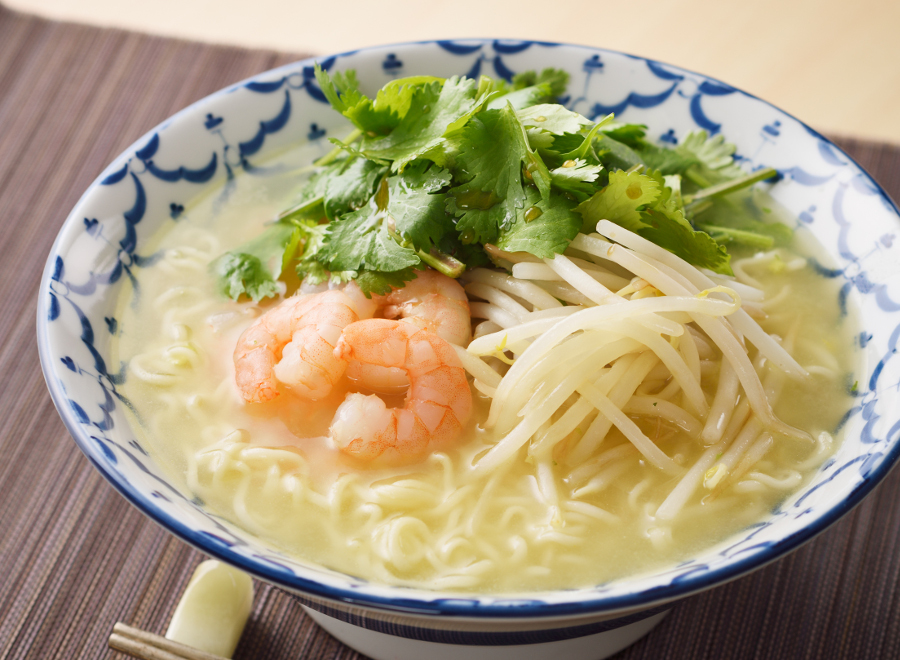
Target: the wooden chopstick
(147, 646)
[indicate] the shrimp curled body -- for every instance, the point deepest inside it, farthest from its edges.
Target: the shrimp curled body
(293, 343)
(438, 402)
(433, 302)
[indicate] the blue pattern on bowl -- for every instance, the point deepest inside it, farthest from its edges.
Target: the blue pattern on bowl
(208, 143)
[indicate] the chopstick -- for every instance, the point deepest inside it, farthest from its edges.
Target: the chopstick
(147, 646)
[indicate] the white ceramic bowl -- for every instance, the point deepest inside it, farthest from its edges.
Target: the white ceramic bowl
(103, 239)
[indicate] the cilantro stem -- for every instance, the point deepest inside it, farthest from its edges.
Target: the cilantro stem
(731, 186)
(442, 262)
(739, 236)
(694, 176)
(328, 158)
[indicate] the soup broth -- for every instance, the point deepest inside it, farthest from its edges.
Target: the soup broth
(526, 525)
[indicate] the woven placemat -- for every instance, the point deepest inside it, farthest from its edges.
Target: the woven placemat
(75, 557)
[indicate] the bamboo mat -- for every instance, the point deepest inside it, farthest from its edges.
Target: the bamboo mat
(75, 557)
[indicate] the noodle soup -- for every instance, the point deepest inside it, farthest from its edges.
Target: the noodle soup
(579, 504)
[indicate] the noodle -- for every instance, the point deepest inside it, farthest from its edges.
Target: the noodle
(627, 411)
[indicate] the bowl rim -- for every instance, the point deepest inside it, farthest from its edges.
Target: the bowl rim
(418, 601)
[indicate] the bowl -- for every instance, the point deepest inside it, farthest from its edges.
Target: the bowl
(105, 239)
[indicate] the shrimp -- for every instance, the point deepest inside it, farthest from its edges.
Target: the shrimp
(438, 403)
(433, 302)
(293, 343)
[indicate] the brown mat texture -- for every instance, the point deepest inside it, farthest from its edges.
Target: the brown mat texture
(75, 557)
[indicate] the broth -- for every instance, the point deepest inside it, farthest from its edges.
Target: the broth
(434, 524)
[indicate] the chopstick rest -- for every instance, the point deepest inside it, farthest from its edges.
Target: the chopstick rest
(214, 609)
(207, 623)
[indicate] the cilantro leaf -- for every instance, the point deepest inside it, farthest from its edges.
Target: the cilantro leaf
(576, 177)
(556, 81)
(352, 187)
(631, 135)
(539, 139)
(571, 146)
(545, 227)
(239, 273)
(738, 219)
(308, 203)
(360, 241)
(427, 177)
(695, 247)
(530, 88)
(434, 109)
(490, 161)
(376, 117)
(616, 155)
(714, 152)
(620, 201)
(667, 161)
(417, 209)
(381, 283)
(308, 266)
(553, 118)
(253, 268)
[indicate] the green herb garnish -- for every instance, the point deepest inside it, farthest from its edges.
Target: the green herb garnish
(436, 169)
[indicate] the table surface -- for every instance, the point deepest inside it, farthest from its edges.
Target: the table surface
(833, 64)
(76, 557)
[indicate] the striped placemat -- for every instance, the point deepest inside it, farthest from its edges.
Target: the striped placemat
(75, 557)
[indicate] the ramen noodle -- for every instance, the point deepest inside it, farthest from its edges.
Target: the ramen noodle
(629, 410)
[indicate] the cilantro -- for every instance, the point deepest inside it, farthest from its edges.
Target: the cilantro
(352, 187)
(555, 80)
(617, 155)
(309, 202)
(631, 135)
(576, 177)
(373, 282)
(253, 270)
(553, 118)
(438, 168)
(417, 209)
(544, 227)
(360, 241)
(667, 161)
(243, 273)
(530, 88)
(695, 247)
(490, 161)
(572, 146)
(620, 201)
(713, 152)
(377, 117)
(725, 235)
(308, 265)
(434, 110)
(643, 204)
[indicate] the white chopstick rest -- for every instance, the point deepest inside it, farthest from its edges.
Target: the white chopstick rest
(214, 609)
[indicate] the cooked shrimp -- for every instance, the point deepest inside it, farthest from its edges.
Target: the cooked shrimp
(294, 343)
(438, 403)
(433, 302)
